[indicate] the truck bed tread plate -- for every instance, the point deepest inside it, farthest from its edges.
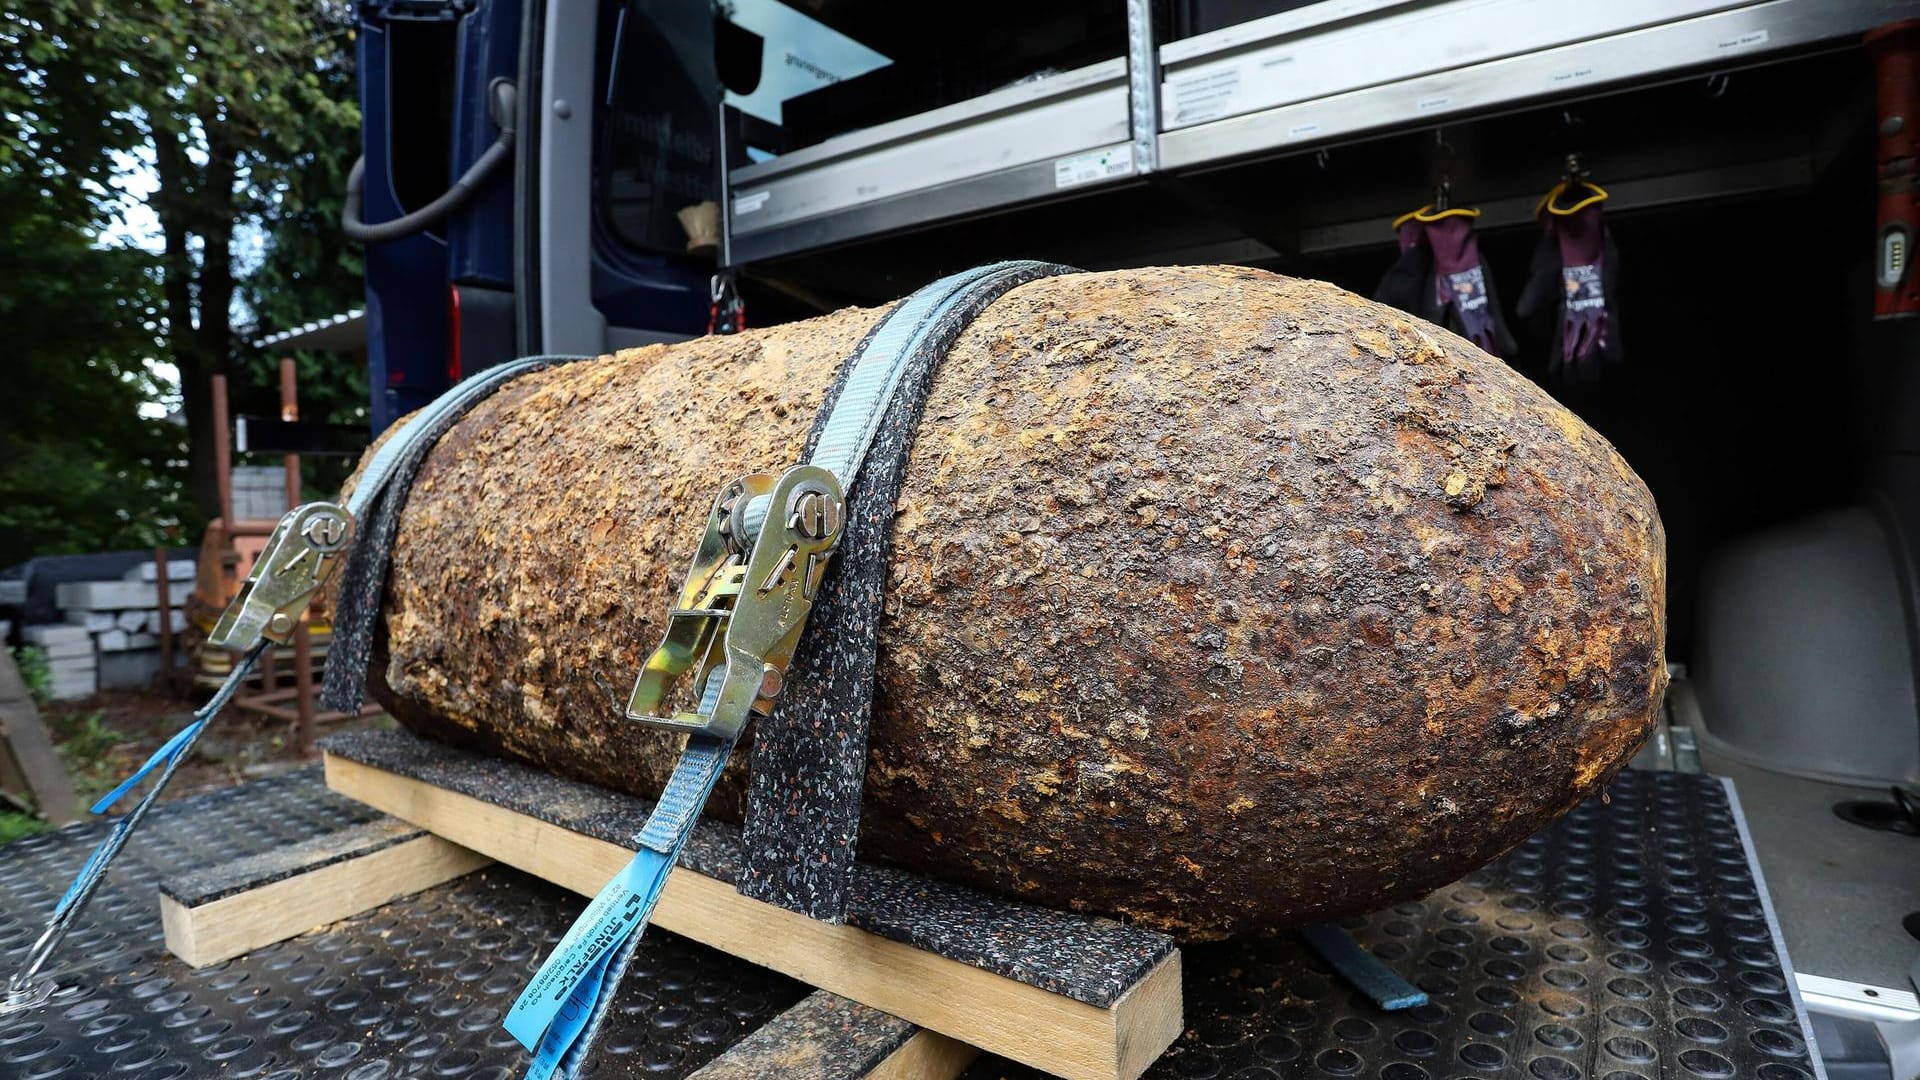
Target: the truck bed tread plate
(1632, 939)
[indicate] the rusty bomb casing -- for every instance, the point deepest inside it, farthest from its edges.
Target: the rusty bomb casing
(1219, 601)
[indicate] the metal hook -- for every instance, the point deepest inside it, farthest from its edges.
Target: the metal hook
(1443, 157)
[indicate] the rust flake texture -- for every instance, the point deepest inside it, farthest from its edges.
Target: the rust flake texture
(1219, 602)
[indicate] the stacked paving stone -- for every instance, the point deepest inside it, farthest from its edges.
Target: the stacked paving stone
(111, 637)
(70, 657)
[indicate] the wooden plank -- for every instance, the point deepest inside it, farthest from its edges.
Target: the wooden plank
(221, 913)
(929, 1055)
(827, 1037)
(1016, 1020)
(28, 749)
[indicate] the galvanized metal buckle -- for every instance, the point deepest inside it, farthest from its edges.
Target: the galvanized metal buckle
(298, 559)
(745, 601)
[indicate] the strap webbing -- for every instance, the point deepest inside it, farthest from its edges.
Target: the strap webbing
(376, 504)
(392, 466)
(558, 1015)
(85, 883)
(810, 757)
(1365, 971)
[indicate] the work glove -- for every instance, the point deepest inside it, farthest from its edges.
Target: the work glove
(1408, 283)
(1439, 277)
(1574, 280)
(1463, 285)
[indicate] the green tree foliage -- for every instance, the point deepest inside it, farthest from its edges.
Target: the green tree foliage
(242, 112)
(80, 469)
(310, 269)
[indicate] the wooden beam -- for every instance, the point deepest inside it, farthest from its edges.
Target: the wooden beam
(827, 1037)
(1048, 1031)
(928, 1055)
(223, 451)
(26, 751)
(221, 912)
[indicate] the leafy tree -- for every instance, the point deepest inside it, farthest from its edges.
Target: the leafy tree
(236, 107)
(310, 270)
(80, 468)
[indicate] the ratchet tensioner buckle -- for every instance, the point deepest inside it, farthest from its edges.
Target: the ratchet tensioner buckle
(745, 602)
(296, 562)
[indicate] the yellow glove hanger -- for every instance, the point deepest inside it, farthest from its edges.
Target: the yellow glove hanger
(1550, 202)
(1428, 214)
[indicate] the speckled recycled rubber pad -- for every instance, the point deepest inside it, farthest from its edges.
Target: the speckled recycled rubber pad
(1630, 940)
(1089, 959)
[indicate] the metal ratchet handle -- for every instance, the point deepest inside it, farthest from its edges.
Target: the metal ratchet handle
(301, 553)
(739, 614)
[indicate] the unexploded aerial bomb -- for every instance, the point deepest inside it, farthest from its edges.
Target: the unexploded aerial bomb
(1219, 601)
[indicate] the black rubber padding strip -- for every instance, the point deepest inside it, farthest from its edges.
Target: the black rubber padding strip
(825, 1037)
(206, 884)
(1089, 959)
(363, 580)
(810, 758)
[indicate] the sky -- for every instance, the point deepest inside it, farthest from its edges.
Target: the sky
(136, 224)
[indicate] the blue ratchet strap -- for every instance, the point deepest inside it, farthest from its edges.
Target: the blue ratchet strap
(571, 993)
(1363, 969)
(168, 751)
(809, 760)
(560, 1012)
(21, 990)
(391, 459)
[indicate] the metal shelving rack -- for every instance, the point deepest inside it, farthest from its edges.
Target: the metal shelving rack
(1011, 146)
(1287, 83)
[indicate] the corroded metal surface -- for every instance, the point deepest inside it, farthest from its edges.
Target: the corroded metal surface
(1220, 601)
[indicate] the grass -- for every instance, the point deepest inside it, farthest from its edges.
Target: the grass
(86, 746)
(17, 826)
(35, 672)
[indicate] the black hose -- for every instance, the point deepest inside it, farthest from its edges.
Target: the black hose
(489, 162)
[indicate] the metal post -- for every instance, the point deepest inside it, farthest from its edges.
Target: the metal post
(290, 412)
(1143, 87)
(223, 475)
(726, 187)
(223, 451)
(303, 723)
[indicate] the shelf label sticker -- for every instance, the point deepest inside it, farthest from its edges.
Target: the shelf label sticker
(1744, 41)
(1437, 101)
(1575, 75)
(747, 204)
(1301, 131)
(1094, 165)
(1204, 95)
